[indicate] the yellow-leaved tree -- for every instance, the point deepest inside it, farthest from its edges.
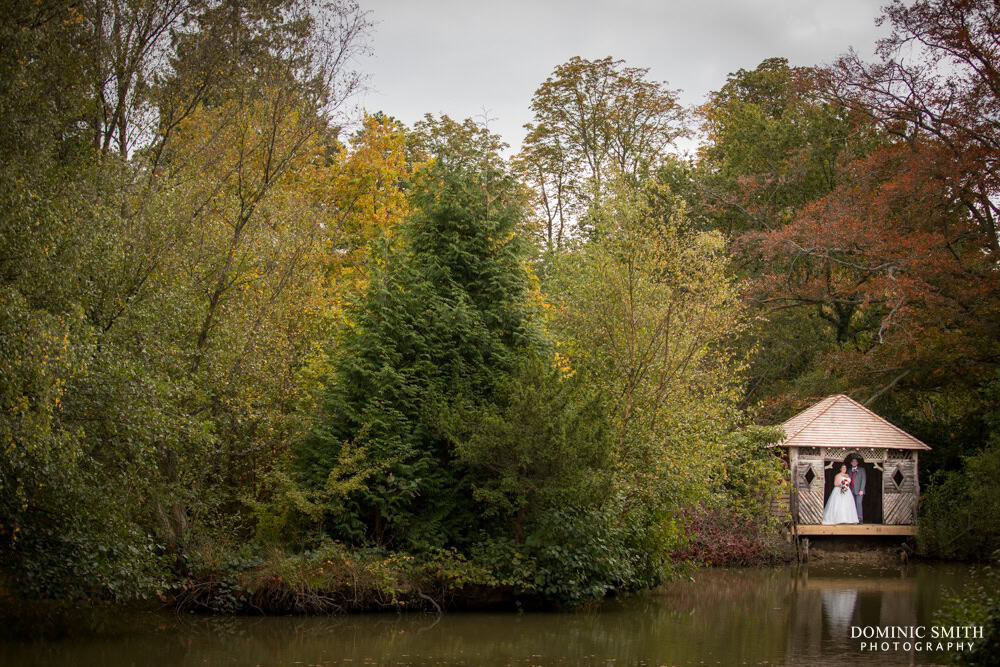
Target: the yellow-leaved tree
(367, 195)
(645, 308)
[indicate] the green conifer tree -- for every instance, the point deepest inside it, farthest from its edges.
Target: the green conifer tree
(444, 318)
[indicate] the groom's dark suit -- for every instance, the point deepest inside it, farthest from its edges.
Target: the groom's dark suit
(858, 478)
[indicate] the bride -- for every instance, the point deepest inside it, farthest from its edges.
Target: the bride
(840, 505)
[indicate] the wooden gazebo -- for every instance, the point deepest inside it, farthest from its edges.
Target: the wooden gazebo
(833, 431)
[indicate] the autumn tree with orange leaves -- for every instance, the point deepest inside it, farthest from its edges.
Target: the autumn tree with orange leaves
(900, 258)
(888, 271)
(894, 267)
(938, 78)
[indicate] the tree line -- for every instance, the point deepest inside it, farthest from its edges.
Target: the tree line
(254, 347)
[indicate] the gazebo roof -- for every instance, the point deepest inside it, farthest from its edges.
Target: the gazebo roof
(840, 421)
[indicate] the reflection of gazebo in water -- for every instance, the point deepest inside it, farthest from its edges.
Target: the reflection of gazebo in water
(823, 609)
(833, 431)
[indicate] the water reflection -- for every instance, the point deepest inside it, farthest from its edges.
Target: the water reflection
(838, 608)
(779, 616)
(829, 603)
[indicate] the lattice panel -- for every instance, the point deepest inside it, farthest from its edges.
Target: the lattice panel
(897, 508)
(899, 454)
(811, 506)
(869, 454)
(872, 454)
(809, 451)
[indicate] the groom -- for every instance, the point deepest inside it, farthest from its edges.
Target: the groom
(858, 478)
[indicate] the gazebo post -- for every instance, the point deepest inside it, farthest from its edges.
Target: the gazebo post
(793, 495)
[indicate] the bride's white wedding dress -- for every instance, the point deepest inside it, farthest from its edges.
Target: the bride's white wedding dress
(840, 507)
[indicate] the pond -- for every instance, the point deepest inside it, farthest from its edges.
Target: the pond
(760, 616)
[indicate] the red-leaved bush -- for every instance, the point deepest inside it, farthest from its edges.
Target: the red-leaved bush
(720, 537)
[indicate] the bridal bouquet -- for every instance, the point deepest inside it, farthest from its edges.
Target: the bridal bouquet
(845, 485)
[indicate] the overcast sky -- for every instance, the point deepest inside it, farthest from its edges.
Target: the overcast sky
(463, 56)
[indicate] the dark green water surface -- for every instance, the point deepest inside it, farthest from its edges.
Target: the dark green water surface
(784, 616)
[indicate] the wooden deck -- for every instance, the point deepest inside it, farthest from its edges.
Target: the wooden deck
(805, 530)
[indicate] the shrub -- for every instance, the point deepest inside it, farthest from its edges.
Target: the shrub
(955, 521)
(978, 604)
(721, 536)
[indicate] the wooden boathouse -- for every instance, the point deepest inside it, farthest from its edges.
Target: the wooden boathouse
(832, 432)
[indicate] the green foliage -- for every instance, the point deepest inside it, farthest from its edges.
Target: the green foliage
(76, 455)
(736, 526)
(482, 437)
(293, 516)
(593, 119)
(153, 310)
(977, 605)
(443, 319)
(543, 470)
(582, 554)
(542, 443)
(754, 473)
(645, 310)
(955, 519)
(774, 145)
(576, 553)
(185, 394)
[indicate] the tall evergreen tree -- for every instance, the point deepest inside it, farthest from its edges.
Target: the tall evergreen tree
(445, 314)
